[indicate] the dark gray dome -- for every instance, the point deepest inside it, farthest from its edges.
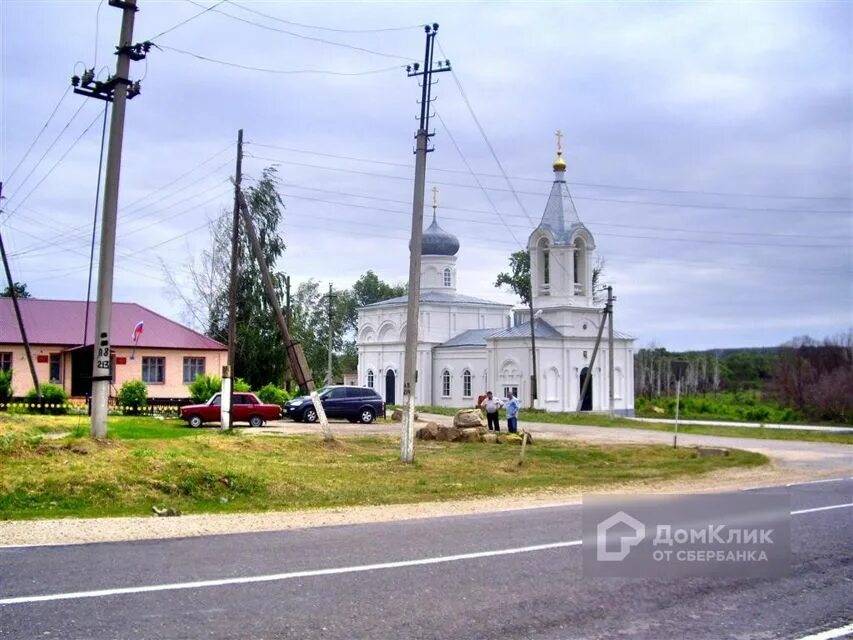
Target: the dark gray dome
(438, 242)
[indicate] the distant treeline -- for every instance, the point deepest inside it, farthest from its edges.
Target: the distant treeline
(814, 377)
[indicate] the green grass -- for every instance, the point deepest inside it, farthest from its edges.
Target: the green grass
(600, 420)
(207, 471)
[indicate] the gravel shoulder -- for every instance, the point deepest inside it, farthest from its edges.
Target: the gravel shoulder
(791, 462)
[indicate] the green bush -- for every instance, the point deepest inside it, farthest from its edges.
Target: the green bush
(5, 385)
(133, 395)
(51, 395)
(203, 387)
(241, 385)
(271, 394)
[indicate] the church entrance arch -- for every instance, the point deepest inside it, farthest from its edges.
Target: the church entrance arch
(586, 405)
(390, 387)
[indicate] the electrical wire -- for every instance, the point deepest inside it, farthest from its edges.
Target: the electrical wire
(182, 23)
(596, 185)
(51, 170)
(319, 28)
(302, 36)
(710, 207)
(41, 131)
(95, 218)
(279, 71)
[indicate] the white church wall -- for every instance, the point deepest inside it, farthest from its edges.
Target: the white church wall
(455, 362)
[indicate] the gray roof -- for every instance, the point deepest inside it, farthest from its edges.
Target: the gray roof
(560, 216)
(445, 297)
(542, 330)
(470, 338)
(438, 242)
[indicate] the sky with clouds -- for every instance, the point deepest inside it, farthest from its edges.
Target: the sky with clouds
(709, 147)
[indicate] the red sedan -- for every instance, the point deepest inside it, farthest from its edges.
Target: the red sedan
(246, 408)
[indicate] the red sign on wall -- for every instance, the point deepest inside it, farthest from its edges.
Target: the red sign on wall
(121, 360)
(42, 358)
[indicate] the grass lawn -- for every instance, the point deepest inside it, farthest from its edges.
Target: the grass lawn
(148, 462)
(599, 420)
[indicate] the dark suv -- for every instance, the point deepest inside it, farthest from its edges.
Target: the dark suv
(356, 404)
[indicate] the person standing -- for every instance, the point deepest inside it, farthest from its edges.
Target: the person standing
(492, 405)
(512, 407)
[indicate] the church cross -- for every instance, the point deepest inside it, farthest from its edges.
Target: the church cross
(559, 135)
(434, 198)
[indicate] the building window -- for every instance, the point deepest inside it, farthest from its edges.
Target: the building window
(448, 278)
(466, 384)
(370, 378)
(154, 370)
(56, 368)
(445, 384)
(508, 388)
(5, 360)
(193, 367)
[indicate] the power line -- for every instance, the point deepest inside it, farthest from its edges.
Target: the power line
(39, 134)
(537, 193)
(52, 144)
(56, 164)
(190, 19)
(573, 183)
(302, 36)
(319, 28)
(245, 67)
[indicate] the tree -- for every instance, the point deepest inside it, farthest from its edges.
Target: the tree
(20, 290)
(518, 277)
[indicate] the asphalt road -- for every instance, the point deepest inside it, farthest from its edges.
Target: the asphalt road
(398, 580)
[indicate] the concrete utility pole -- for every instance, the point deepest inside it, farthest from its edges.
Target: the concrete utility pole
(410, 365)
(287, 319)
(117, 89)
(228, 371)
(329, 376)
(293, 349)
(612, 349)
(588, 378)
(13, 294)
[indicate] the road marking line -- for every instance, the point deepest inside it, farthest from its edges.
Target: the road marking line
(288, 576)
(829, 508)
(797, 484)
(275, 577)
(829, 634)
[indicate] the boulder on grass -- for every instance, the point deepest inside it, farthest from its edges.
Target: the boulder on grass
(427, 432)
(448, 434)
(491, 437)
(466, 418)
(397, 415)
(470, 434)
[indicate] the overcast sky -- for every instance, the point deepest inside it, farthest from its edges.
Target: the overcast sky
(709, 147)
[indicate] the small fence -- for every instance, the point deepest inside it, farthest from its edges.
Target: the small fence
(167, 407)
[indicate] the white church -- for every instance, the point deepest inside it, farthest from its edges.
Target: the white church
(467, 345)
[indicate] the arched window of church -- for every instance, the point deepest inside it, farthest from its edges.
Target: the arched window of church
(580, 265)
(545, 261)
(466, 384)
(445, 384)
(448, 278)
(370, 379)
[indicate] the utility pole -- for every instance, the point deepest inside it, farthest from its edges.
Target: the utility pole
(534, 380)
(14, 295)
(287, 319)
(293, 349)
(229, 371)
(612, 349)
(410, 365)
(329, 377)
(586, 380)
(117, 89)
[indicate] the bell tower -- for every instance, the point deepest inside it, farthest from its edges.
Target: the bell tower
(561, 249)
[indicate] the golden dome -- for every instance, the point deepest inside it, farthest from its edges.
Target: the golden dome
(559, 163)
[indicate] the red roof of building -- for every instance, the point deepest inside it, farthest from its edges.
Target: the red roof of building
(60, 322)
